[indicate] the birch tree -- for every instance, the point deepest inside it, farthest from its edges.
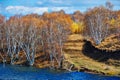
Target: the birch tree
(97, 23)
(29, 45)
(56, 36)
(12, 38)
(2, 38)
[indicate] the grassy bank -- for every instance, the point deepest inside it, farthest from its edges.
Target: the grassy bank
(74, 55)
(76, 59)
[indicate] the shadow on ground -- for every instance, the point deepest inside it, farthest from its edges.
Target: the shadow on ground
(98, 54)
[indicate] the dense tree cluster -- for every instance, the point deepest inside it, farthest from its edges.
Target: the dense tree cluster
(101, 22)
(28, 33)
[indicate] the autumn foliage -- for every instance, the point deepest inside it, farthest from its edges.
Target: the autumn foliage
(47, 33)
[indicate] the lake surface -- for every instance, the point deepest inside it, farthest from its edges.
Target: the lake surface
(12, 72)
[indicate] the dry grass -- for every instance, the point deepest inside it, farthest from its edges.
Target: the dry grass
(110, 43)
(79, 60)
(74, 55)
(75, 37)
(74, 42)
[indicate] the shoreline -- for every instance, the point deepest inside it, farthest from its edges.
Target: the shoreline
(85, 70)
(77, 60)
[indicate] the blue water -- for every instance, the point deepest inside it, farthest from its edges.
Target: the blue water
(9, 72)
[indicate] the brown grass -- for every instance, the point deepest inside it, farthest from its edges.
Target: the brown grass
(74, 55)
(80, 61)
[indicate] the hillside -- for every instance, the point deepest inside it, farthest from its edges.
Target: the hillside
(82, 55)
(89, 61)
(111, 43)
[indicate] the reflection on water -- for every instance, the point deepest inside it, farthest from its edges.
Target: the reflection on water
(9, 72)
